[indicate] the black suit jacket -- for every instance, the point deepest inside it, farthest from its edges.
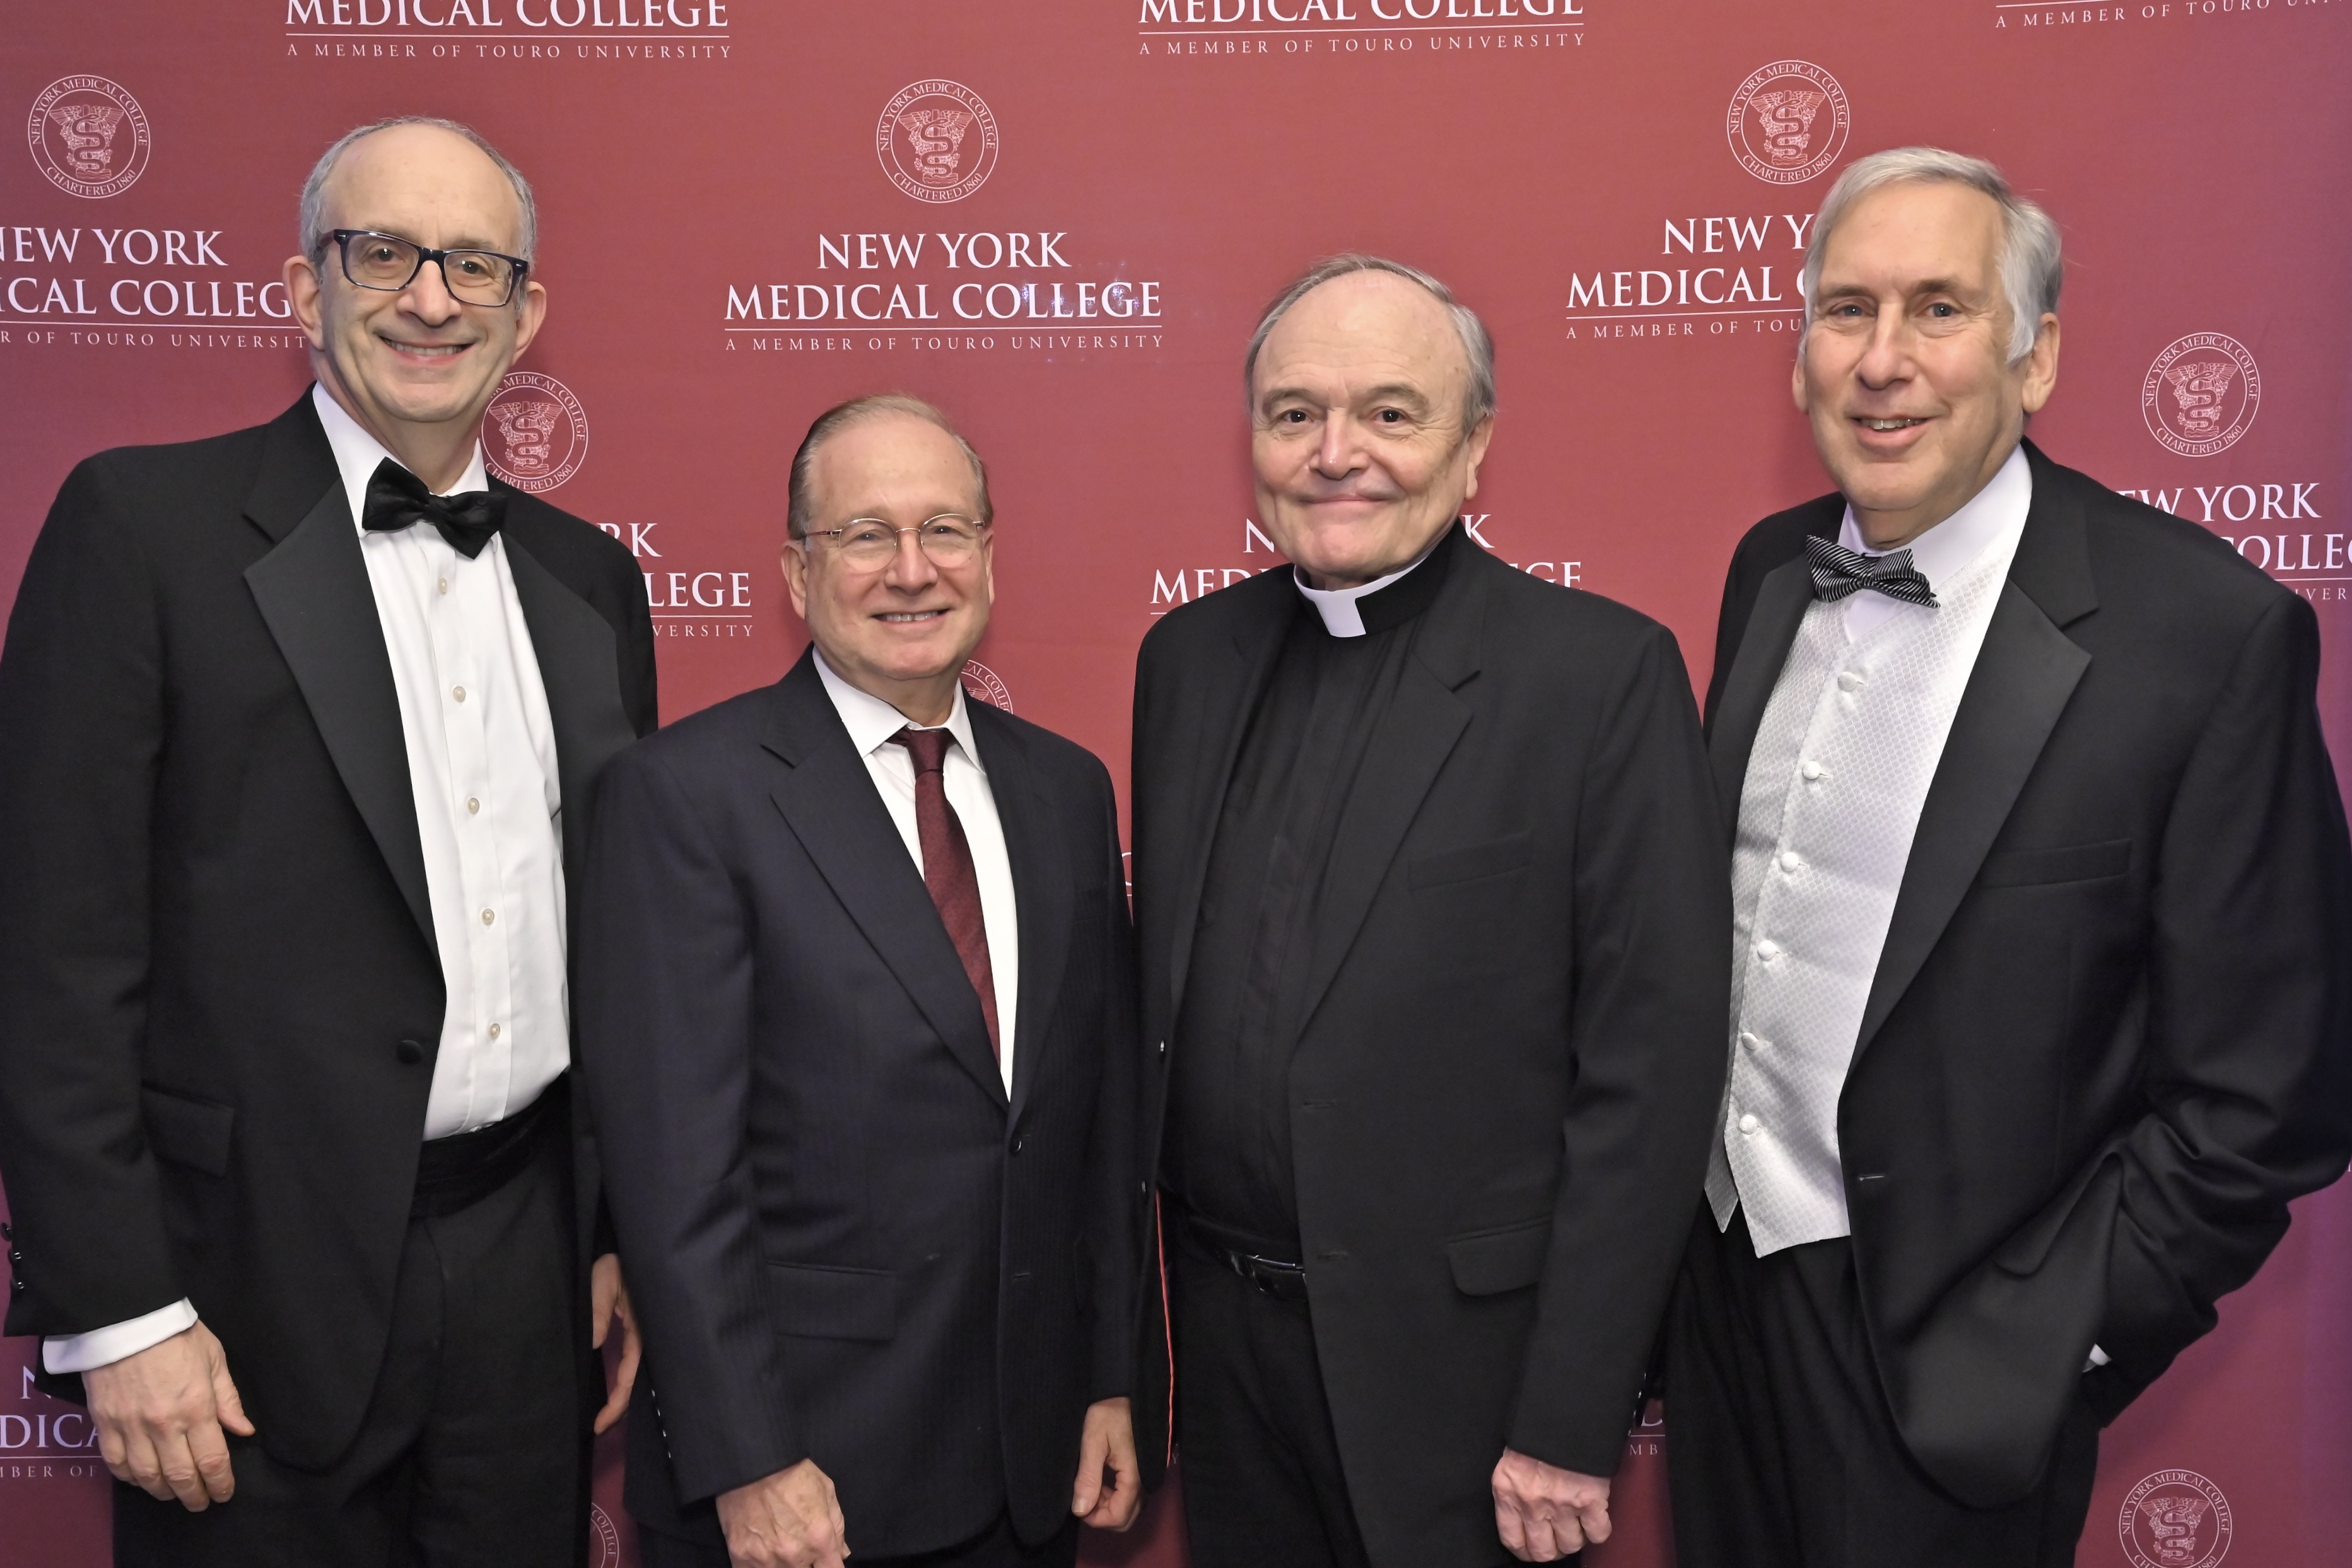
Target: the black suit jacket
(2110, 1034)
(1503, 1088)
(845, 1243)
(215, 948)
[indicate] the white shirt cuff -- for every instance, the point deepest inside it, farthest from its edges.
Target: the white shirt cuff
(104, 1347)
(2098, 1359)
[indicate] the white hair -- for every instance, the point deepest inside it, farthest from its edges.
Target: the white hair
(2033, 270)
(314, 189)
(1477, 347)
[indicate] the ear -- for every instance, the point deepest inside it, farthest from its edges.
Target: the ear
(1481, 436)
(302, 293)
(530, 313)
(1797, 390)
(795, 564)
(2042, 365)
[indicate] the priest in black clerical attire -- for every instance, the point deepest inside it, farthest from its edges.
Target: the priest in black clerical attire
(1433, 905)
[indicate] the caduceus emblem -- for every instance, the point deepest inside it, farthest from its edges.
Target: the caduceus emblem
(527, 427)
(2172, 1521)
(935, 136)
(87, 130)
(1785, 119)
(2198, 388)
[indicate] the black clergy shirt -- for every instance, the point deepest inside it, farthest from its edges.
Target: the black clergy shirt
(1228, 1150)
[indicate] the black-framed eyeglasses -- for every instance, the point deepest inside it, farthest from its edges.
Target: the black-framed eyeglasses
(388, 262)
(868, 543)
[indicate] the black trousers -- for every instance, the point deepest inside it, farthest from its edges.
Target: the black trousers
(1782, 1452)
(474, 1447)
(999, 1548)
(1263, 1483)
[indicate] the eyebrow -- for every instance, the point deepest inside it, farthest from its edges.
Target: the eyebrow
(1389, 392)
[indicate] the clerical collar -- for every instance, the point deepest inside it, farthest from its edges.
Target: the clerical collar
(1384, 602)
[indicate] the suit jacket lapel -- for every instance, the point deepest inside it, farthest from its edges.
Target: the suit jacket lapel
(1772, 624)
(579, 667)
(314, 595)
(828, 800)
(1423, 721)
(1037, 844)
(2024, 675)
(1231, 697)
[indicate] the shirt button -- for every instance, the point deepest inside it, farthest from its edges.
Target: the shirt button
(1849, 682)
(1792, 862)
(1751, 1041)
(473, 805)
(1812, 769)
(1766, 950)
(458, 692)
(489, 915)
(445, 585)
(1749, 1125)
(494, 1031)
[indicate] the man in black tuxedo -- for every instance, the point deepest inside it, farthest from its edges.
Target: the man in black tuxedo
(859, 1029)
(2041, 1001)
(1432, 919)
(290, 789)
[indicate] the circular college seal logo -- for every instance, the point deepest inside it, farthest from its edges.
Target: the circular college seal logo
(1788, 121)
(88, 136)
(2200, 394)
(535, 433)
(983, 685)
(2175, 1518)
(603, 1540)
(937, 141)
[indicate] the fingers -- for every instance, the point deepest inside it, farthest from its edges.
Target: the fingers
(1092, 1450)
(1508, 1526)
(210, 1451)
(603, 1292)
(227, 1406)
(1594, 1518)
(182, 1466)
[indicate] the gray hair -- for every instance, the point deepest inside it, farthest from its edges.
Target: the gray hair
(799, 510)
(2033, 270)
(1477, 347)
(314, 189)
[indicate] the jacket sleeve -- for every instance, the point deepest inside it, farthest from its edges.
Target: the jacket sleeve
(665, 1032)
(1115, 1163)
(1651, 993)
(82, 710)
(2248, 1071)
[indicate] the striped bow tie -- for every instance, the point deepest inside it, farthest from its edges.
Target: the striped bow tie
(1838, 571)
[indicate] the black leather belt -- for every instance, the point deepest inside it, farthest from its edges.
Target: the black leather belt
(458, 1172)
(1248, 1256)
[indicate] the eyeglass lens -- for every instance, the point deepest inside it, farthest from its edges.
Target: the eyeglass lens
(383, 261)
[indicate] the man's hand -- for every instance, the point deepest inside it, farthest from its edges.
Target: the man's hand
(160, 1415)
(1108, 1443)
(608, 1295)
(789, 1519)
(1544, 1514)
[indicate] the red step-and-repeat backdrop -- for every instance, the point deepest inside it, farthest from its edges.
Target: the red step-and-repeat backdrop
(1059, 218)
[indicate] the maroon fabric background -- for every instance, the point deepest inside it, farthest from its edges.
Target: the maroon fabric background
(716, 200)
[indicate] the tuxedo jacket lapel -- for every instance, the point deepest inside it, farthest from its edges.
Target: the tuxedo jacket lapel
(827, 797)
(2024, 675)
(313, 593)
(1781, 604)
(1037, 845)
(580, 669)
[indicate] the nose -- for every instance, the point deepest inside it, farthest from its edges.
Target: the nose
(428, 296)
(1340, 451)
(1888, 358)
(911, 568)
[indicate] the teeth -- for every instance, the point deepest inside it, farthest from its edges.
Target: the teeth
(1893, 424)
(912, 614)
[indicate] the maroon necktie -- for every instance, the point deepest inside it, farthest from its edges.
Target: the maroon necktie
(947, 868)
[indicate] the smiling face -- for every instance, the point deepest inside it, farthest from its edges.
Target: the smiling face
(902, 633)
(1357, 430)
(1905, 374)
(415, 367)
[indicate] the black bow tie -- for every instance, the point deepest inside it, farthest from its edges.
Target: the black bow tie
(397, 499)
(1838, 571)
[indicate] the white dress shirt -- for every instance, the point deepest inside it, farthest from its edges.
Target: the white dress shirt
(482, 765)
(1842, 759)
(964, 778)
